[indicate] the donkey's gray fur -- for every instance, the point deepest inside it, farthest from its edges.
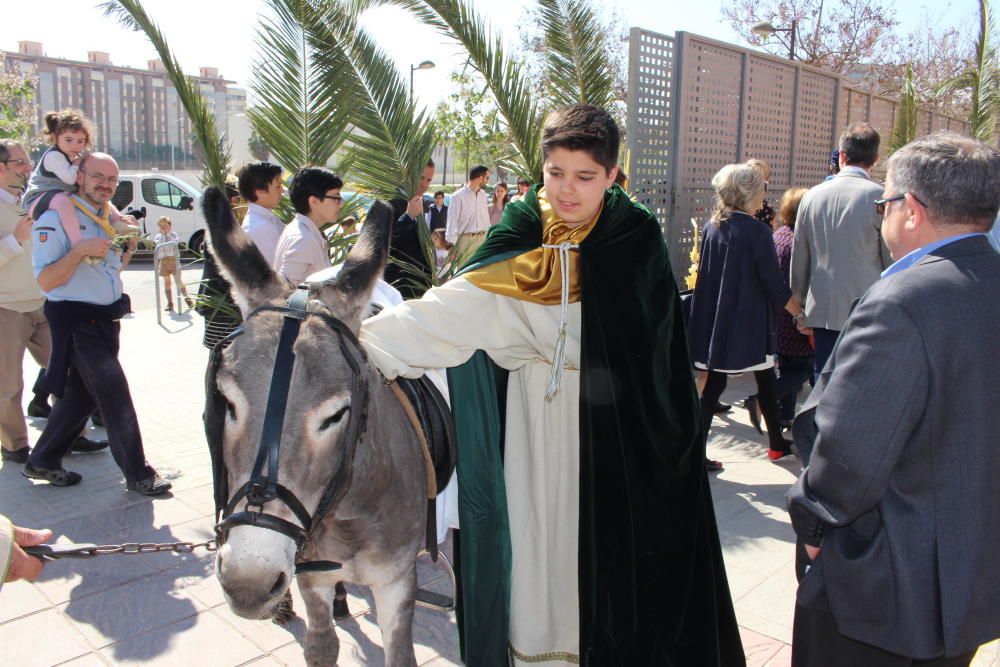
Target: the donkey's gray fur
(376, 529)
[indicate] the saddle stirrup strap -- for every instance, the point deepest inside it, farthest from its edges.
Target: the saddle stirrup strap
(431, 537)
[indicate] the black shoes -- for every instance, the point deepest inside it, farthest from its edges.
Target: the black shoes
(17, 455)
(151, 486)
(753, 410)
(54, 476)
(721, 407)
(84, 445)
(39, 409)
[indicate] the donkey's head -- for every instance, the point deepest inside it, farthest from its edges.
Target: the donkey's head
(255, 565)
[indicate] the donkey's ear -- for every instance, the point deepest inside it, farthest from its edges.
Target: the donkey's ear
(349, 293)
(254, 282)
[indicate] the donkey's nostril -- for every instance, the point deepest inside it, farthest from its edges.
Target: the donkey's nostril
(279, 584)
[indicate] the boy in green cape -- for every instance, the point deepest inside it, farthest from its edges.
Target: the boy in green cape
(588, 534)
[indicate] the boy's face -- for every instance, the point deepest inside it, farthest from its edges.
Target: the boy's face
(271, 197)
(326, 209)
(164, 226)
(439, 200)
(575, 184)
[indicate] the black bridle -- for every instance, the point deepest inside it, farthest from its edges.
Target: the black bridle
(262, 487)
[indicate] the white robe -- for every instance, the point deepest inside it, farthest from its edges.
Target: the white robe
(542, 450)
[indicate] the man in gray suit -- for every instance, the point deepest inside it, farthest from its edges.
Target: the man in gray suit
(898, 507)
(838, 253)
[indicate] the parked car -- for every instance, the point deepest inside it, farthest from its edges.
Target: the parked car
(156, 195)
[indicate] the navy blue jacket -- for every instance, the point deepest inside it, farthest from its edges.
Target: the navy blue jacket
(740, 285)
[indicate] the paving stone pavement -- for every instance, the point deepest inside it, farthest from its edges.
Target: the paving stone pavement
(168, 609)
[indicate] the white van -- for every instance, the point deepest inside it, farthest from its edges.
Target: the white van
(157, 195)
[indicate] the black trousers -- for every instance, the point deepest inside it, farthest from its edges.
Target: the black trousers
(95, 380)
(816, 643)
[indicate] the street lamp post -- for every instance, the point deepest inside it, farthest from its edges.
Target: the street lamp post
(765, 29)
(427, 64)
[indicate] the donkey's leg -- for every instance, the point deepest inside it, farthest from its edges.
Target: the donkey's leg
(322, 645)
(340, 610)
(394, 609)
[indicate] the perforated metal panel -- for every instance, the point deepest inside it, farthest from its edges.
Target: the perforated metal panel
(697, 104)
(816, 133)
(770, 118)
(650, 121)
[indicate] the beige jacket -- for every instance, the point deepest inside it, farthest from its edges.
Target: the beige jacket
(18, 289)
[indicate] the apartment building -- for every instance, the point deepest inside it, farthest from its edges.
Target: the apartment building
(137, 112)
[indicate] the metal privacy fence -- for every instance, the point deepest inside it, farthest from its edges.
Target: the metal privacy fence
(697, 104)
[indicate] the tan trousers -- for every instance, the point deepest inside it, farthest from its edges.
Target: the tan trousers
(467, 244)
(18, 332)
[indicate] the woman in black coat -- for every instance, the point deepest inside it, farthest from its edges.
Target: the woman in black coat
(732, 325)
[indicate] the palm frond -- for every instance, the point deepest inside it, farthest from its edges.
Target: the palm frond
(214, 147)
(391, 142)
(504, 74)
(576, 55)
(904, 127)
(301, 115)
(985, 93)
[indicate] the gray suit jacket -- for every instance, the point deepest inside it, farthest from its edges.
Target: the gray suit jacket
(838, 251)
(903, 487)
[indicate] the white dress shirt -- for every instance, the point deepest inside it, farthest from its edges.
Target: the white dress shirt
(468, 213)
(301, 250)
(264, 228)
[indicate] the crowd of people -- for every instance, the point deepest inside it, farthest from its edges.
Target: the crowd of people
(584, 506)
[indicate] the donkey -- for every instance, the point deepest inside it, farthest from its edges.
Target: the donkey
(375, 524)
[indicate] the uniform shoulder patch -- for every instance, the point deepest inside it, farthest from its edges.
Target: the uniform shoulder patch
(43, 236)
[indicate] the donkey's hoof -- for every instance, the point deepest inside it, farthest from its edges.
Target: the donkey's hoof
(340, 610)
(284, 612)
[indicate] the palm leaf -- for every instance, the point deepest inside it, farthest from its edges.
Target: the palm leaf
(214, 147)
(504, 75)
(983, 117)
(391, 142)
(301, 115)
(904, 127)
(578, 70)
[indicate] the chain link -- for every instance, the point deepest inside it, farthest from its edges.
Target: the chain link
(130, 548)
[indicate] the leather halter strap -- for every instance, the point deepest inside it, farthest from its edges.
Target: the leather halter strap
(263, 488)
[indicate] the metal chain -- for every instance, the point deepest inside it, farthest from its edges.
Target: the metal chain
(56, 551)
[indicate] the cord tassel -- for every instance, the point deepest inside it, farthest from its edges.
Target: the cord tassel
(559, 357)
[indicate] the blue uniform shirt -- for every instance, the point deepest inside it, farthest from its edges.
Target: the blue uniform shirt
(92, 283)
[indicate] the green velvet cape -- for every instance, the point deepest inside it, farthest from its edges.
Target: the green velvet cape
(652, 585)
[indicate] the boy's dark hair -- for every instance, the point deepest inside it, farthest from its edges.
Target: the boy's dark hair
(583, 127)
(859, 143)
(439, 192)
(68, 120)
(430, 163)
(523, 181)
(311, 182)
(477, 171)
(254, 176)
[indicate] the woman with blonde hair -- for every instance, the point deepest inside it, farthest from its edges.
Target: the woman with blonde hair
(732, 325)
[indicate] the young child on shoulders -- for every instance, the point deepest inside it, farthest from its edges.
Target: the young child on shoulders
(54, 179)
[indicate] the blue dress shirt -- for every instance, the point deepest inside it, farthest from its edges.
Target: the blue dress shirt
(91, 283)
(915, 256)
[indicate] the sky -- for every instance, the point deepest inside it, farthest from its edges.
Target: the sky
(220, 33)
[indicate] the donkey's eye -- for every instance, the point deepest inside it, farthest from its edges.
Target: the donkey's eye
(334, 419)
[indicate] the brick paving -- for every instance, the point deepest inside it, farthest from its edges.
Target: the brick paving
(168, 608)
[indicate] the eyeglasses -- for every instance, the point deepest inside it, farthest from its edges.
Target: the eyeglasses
(880, 204)
(333, 197)
(30, 163)
(110, 180)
